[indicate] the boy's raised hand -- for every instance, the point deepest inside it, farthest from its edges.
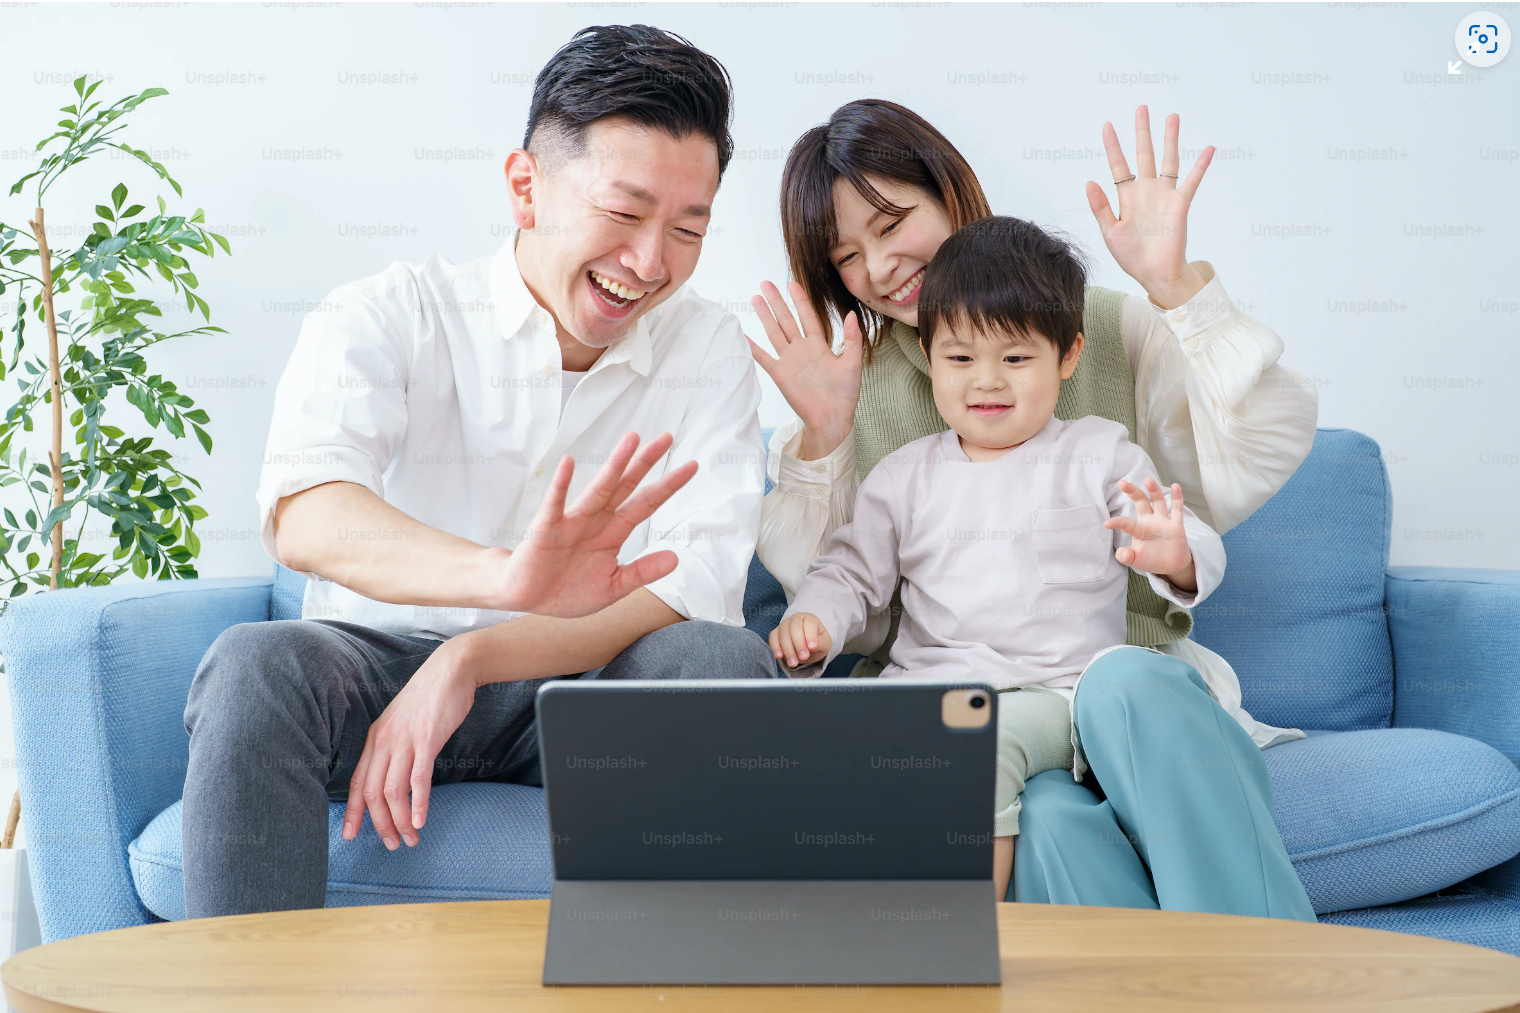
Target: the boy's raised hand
(1159, 541)
(799, 637)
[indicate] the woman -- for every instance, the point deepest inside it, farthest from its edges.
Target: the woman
(866, 200)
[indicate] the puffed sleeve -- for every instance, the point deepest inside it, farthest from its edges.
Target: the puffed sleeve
(1215, 411)
(808, 502)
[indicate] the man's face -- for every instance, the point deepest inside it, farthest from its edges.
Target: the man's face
(612, 233)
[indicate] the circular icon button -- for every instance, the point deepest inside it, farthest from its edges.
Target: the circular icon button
(1483, 39)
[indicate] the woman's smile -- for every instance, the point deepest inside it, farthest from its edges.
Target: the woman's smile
(907, 295)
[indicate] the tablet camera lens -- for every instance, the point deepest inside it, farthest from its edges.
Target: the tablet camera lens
(978, 701)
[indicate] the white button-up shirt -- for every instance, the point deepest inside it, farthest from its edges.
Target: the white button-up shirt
(438, 388)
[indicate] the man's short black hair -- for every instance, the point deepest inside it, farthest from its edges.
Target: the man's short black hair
(1004, 275)
(653, 77)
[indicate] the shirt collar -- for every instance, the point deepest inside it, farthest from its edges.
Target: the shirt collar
(515, 306)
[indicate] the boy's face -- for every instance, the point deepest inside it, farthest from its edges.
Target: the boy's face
(994, 389)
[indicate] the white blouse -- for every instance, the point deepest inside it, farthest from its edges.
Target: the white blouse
(1214, 410)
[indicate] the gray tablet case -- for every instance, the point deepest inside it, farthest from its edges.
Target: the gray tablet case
(767, 832)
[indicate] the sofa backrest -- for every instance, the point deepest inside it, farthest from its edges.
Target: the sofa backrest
(1300, 612)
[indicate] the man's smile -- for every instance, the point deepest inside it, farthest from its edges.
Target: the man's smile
(616, 298)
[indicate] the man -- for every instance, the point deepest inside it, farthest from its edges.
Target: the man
(414, 446)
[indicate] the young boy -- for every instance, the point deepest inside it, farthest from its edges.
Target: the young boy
(1002, 528)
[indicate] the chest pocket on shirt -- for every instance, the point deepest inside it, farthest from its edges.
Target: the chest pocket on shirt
(1072, 546)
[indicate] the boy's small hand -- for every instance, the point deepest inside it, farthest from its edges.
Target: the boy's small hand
(800, 637)
(1159, 541)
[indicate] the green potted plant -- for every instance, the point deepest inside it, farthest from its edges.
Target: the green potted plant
(99, 328)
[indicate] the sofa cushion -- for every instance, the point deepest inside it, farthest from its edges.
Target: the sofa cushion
(1369, 818)
(1378, 817)
(1473, 918)
(1300, 611)
(481, 842)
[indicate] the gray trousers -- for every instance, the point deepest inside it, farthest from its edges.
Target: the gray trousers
(278, 716)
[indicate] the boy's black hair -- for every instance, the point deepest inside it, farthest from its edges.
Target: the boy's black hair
(653, 77)
(1005, 275)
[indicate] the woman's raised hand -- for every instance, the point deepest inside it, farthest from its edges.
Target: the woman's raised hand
(1149, 236)
(821, 387)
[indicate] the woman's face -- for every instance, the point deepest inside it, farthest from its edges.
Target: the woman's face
(881, 259)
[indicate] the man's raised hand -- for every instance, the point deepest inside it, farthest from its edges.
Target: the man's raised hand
(567, 564)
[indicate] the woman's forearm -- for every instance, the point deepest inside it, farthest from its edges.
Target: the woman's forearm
(819, 442)
(1171, 292)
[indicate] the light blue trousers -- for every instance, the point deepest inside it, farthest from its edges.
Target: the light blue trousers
(1187, 824)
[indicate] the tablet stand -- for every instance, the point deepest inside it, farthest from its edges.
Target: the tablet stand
(766, 932)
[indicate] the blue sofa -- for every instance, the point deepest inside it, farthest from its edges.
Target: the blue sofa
(1401, 810)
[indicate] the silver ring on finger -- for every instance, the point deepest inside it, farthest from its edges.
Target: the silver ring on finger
(1126, 179)
(1168, 175)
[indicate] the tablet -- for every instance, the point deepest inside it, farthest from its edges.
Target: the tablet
(824, 831)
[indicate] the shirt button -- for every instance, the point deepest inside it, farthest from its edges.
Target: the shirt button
(538, 471)
(548, 370)
(540, 317)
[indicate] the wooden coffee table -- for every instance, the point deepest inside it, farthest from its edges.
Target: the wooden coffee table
(488, 956)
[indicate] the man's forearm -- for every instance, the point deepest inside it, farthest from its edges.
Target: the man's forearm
(539, 647)
(353, 537)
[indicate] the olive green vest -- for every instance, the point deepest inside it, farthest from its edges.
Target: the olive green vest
(897, 407)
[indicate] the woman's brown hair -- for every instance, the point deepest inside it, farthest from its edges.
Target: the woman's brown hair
(864, 140)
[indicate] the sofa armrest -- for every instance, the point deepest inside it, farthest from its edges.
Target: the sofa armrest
(98, 683)
(1456, 652)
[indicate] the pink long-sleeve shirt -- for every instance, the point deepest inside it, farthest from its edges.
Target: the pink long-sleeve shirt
(1008, 574)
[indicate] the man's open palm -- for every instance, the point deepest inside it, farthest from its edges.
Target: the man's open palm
(567, 564)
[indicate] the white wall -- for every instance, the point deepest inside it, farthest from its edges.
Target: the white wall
(1375, 311)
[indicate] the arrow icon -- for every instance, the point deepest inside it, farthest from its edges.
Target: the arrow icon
(1453, 66)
